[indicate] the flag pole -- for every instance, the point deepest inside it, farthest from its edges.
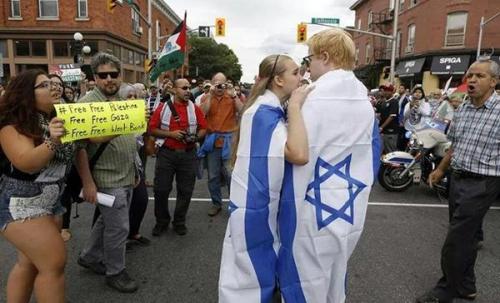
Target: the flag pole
(185, 49)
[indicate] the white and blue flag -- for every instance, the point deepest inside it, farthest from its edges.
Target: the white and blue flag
(323, 203)
(250, 251)
(295, 227)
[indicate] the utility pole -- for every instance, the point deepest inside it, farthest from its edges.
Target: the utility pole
(394, 41)
(481, 26)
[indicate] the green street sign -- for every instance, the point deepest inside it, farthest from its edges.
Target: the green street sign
(325, 20)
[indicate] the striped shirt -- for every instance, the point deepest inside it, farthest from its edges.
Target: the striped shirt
(115, 167)
(475, 137)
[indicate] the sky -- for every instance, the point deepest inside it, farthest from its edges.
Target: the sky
(258, 28)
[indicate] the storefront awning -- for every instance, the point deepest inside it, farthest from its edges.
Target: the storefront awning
(450, 65)
(410, 67)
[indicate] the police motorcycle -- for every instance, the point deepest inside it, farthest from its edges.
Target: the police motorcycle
(428, 145)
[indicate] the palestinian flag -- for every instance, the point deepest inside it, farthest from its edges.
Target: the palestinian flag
(172, 54)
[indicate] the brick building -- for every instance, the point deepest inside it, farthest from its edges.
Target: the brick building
(436, 39)
(37, 33)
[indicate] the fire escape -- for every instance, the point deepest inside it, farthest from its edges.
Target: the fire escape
(382, 23)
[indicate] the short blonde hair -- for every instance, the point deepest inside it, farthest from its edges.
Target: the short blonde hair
(338, 44)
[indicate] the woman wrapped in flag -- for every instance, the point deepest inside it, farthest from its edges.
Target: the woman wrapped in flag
(268, 136)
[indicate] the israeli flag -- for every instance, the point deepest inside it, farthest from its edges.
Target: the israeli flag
(250, 250)
(323, 204)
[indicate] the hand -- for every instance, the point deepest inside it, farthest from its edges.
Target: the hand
(414, 103)
(435, 176)
(177, 134)
(90, 193)
(56, 130)
(146, 114)
(137, 181)
(299, 95)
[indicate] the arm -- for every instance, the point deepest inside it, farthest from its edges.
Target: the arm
(238, 105)
(22, 152)
(297, 145)
(205, 106)
(88, 185)
(386, 122)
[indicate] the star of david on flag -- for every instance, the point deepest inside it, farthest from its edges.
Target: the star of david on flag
(354, 187)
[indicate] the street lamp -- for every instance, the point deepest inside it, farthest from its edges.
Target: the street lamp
(481, 26)
(79, 47)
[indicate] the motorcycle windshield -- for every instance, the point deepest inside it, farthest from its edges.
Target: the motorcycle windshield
(426, 123)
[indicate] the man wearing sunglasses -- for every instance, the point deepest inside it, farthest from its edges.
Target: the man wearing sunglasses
(114, 174)
(179, 125)
(221, 108)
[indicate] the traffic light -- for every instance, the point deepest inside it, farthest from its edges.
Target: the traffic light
(220, 27)
(111, 5)
(301, 33)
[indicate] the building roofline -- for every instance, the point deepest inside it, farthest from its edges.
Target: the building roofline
(356, 4)
(167, 11)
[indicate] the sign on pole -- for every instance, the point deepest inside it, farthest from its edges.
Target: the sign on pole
(68, 72)
(325, 20)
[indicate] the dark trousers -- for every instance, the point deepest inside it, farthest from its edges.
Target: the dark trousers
(402, 140)
(470, 198)
(138, 207)
(66, 201)
(182, 166)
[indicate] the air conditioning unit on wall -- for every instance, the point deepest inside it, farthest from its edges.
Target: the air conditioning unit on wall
(409, 49)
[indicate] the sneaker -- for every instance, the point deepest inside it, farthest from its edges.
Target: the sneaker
(181, 230)
(159, 229)
(122, 282)
(214, 210)
(98, 268)
(139, 240)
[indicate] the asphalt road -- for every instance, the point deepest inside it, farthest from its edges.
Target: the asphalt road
(396, 259)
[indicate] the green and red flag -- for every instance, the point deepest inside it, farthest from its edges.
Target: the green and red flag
(172, 54)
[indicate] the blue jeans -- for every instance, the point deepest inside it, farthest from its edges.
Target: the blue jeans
(216, 166)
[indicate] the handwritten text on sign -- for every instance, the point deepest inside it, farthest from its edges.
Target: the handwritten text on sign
(97, 119)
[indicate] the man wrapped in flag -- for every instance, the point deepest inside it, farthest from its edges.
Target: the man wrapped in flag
(323, 204)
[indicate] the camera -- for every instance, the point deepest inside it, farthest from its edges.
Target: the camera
(190, 137)
(220, 86)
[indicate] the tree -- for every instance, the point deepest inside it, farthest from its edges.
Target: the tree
(209, 58)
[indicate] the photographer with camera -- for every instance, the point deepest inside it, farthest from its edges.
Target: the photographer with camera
(221, 108)
(178, 126)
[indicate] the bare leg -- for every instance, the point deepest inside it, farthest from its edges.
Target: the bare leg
(21, 279)
(40, 241)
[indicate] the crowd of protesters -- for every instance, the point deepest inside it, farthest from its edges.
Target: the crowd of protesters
(187, 123)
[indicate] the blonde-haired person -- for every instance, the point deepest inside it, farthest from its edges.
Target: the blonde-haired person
(323, 203)
(268, 135)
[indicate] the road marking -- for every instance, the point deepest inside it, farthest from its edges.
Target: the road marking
(374, 203)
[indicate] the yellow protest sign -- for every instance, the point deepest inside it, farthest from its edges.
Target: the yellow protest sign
(97, 119)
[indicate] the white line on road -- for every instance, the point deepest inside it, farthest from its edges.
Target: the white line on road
(369, 203)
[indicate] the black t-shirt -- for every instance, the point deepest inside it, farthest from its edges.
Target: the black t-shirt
(386, 109)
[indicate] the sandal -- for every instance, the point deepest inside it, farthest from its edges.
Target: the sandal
(65, 234)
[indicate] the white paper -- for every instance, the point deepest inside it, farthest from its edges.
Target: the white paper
(103, 199)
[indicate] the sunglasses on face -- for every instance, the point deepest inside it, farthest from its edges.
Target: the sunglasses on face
(104, 75)
(307, 60)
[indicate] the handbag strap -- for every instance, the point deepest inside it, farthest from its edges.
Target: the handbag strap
(97, 155)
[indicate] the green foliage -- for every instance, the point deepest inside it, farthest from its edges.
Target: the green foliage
(210, 58)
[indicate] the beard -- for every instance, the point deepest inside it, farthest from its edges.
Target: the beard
(110, 90)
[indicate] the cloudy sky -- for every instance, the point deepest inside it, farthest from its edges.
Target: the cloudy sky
(257, 28)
